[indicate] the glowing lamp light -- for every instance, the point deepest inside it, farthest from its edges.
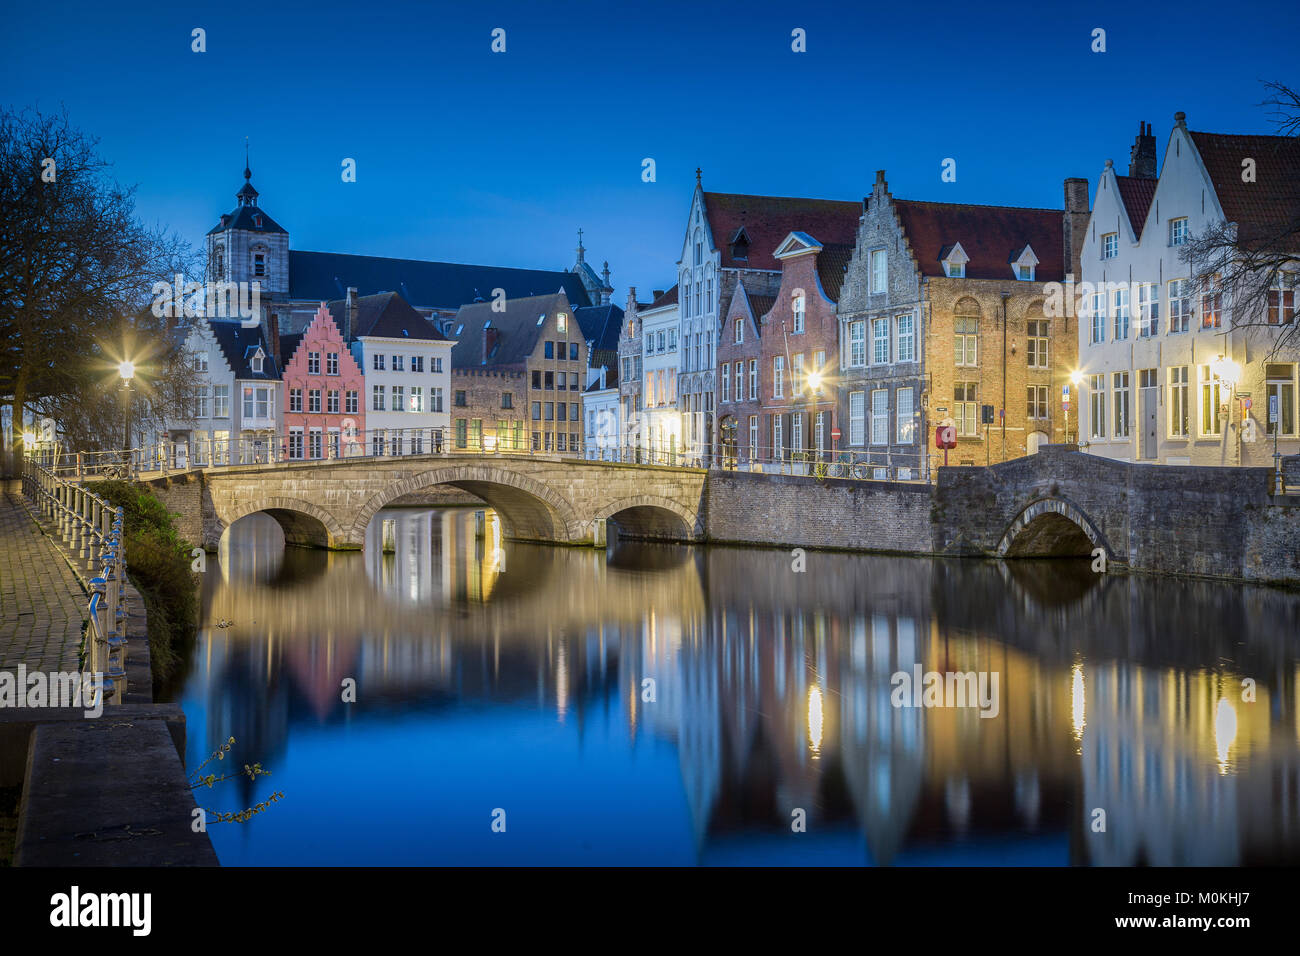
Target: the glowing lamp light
(814, 380)
(1226, 370)
(126, 370)
(489, 442)
(1076, 377)
(29, 437)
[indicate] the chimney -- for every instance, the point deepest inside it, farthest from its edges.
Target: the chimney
(1075, 224)
(273, 337)
(1142, 157)
(606, 290)
(350, 315)
(491, 337)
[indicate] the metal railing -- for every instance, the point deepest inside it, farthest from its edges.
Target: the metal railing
(91, 530)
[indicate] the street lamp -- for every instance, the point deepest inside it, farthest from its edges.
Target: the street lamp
(1076, 379)
(126, 369)
(814, 383)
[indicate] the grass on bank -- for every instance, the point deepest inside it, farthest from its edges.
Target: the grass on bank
(158, 564)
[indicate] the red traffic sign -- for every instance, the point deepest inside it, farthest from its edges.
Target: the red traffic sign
(835, 434)
(945, 436)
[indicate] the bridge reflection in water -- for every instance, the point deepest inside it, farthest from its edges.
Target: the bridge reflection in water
(503, 675)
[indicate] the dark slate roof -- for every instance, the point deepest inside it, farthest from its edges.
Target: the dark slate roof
(429, 285)
(387, 316)
(238, 345)
(668, 298)
(601, 325)
(1267, 208)
(761, 304)
(832, 263)
(611, 375)
(1137, 195)
(516, 328)
(993, 237)
(769, 219)
(249, 217)
(289, 343)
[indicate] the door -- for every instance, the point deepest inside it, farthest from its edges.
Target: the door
(1148, 408)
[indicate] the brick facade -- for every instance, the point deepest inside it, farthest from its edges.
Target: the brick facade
(740, 439)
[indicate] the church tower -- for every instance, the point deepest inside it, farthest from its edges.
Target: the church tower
(247, 245)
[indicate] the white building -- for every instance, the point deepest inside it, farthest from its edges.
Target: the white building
(661, 433)
(406, 362)
(1163, 374)
(602, 434)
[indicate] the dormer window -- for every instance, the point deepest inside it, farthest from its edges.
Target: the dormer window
(561, 322)
(256, 362)
(740, 245)
(954, 263)
(257, 221)
(1024, 266)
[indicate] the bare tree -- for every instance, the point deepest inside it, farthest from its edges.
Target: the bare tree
(76, 270)
(1254, 265)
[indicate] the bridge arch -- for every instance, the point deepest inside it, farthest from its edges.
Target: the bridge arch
(652, 516)
(302, 522)
(528, 508)
(1052, 526)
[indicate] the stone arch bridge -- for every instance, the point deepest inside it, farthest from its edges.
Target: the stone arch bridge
(330, 503)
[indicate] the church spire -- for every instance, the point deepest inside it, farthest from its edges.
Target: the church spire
(247, 195)
(582, 253)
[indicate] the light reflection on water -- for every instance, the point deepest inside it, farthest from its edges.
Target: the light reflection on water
(664, 704)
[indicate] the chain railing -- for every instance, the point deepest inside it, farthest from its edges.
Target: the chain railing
(91, 531)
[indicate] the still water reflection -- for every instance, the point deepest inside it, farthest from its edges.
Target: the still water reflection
(494, 675)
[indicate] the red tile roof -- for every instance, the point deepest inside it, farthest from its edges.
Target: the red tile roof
(993, 237)
(769, 219)
(1137, 195)
(1270, 206)
(668, 298)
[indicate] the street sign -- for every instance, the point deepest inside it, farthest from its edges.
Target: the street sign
(1272, 409)
(1065, 405)
(945, 436)
(1065, 394)
(986, 414)
(835, 434)
(1245, 403)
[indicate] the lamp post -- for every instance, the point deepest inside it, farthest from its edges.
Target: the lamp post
(1229, 373)
(1076, 378)
(126, 369)
(814, 383)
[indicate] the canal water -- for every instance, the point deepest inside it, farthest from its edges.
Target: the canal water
(454, 698)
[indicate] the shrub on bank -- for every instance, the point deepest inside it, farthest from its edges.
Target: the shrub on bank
(158, 564)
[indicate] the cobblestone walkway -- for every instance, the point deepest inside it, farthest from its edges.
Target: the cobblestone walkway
(41, 604)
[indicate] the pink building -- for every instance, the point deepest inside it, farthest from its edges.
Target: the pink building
(324, 416)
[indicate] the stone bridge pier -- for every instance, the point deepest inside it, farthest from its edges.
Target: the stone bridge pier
(329, 504)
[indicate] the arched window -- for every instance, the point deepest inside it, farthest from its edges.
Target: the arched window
(797, 306)
(218, 263)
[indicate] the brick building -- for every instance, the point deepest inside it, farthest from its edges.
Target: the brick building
(739, 352)
(324, 411)
(800, 350)
(942, 322)
(518, 371)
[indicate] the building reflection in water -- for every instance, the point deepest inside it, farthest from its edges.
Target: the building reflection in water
(602, 683)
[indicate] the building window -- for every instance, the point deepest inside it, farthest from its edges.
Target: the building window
(1036, 343)
(880, 341)
(221, 401)
(573, 351)
(753, 437)
(417, 398)
(417, 363)
(740, 381)
(796, 374)
(332, 402)
(858, 343)
(377, 403)
(1148, 309)
(753, 379)
(1097, 313)
(880, 416)
(1211, 303)
(1178, 231)
(257, 363)
(315, 443)
(879, 271)
(708, 294)
(398, 363)
(313, 363)
(965, 340)
(1180, 305)
(201, 402)
(1179, 426)
(435, 399)
(259, 264)
(332, 363)
(548, 349)
(1025, 273)
(1280, 391)
(796, 432)
(295, 443)
(548, 409)
(537, 411)
(739, 326)
(965, 412)
(507, 400)
(1281, 299)
(351, 402)
(1097, 405)
(1036, 407)
(1212, 396)
(377, 442)
(459, 398)
(778, 376)
(778, 444)
(295, 399)
(857, 417)
(1121, 314)
(1119, 391)
(200, 362)
(905, 425)
(797, 305)
(313, 401)
(906, 338)
(399, 398)
(726, 381)
(954, 270)
(436, 364)
(561, 322)
(462, 433)
(1110, 245)
(378, 362)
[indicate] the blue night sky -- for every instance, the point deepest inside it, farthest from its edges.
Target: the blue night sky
(469, 156)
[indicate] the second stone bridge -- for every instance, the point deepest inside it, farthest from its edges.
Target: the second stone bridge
(330, 503)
